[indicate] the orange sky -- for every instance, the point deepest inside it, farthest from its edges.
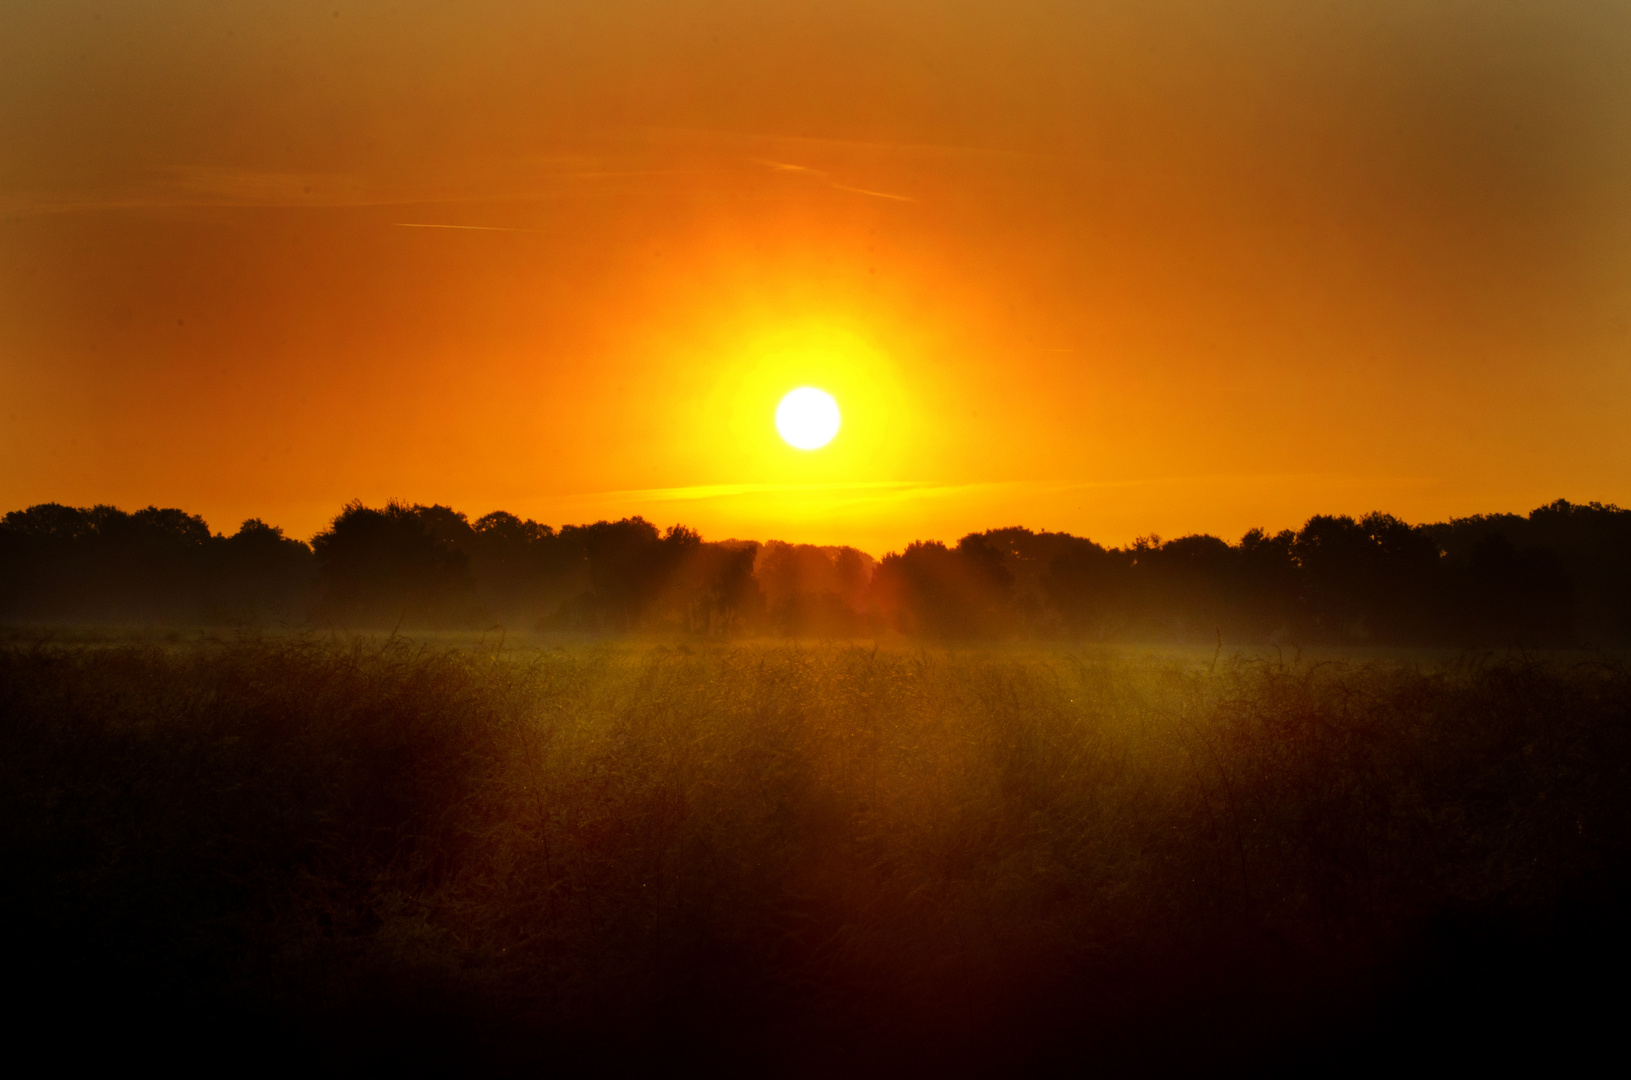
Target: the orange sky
(1107, 268)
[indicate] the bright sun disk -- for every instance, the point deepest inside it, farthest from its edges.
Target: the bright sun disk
(807, 418)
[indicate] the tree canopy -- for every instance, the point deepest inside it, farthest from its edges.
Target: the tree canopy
(1559, 575)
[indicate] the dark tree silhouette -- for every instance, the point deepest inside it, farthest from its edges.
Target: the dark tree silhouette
(1592, 546)
(1515, 595)
(937, 591)
(630, 563)
(815, 590)
(260, 575)
(1089, 586)
(391, 567)
(714, 591)
(102, 564)
(1560, 575)
(1373, 579)
(1267, 574)
(524, 571)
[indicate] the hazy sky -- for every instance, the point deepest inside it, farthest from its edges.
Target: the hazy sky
(1102, 267)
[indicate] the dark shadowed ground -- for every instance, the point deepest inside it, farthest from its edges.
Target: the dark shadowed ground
(810, 860)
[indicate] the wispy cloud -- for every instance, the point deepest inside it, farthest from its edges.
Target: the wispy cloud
(473, 228)
(901, 490)
(827, 179)
(186, 185)
(726, 491)
(508, 180)
(608, 166)
(764, 142)
(259, 187)
(834, 494)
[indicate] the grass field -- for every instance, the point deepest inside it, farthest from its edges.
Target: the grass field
(810, 858)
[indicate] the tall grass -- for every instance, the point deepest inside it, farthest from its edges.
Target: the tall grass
(803, 858)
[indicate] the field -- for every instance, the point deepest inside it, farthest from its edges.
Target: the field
(809, 859)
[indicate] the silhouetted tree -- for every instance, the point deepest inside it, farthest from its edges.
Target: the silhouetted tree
(524, 571)
(714, 590)
(1183, 587)
(1513, 596)
(1560, 574)
(815, 590)
(1089, 586)
(258, 574)
(103, 564)
(946, 592)
(1591, 544)
(390, 566)
(629, 564)
(1267, 572)
(1373, 579)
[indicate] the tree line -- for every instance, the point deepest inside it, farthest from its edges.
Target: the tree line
(1559, 575)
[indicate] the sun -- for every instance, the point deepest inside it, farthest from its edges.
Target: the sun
(807, 418)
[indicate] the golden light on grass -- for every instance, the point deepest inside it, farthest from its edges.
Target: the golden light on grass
(807, 418)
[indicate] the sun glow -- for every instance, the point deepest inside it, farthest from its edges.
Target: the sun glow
(747, 466)
(807, 418)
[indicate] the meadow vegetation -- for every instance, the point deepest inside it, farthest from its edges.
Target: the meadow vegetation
(809, 858)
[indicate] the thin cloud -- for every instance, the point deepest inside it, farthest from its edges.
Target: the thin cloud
(524, 179)
(725, 491)
(473, 228)
(896, 490)
(726, 137)
(258, 187)
(186, 185)
(181, 186)
(826, 178)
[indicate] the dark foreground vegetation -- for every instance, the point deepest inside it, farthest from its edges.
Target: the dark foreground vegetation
(804, 860)
(1559, 576)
